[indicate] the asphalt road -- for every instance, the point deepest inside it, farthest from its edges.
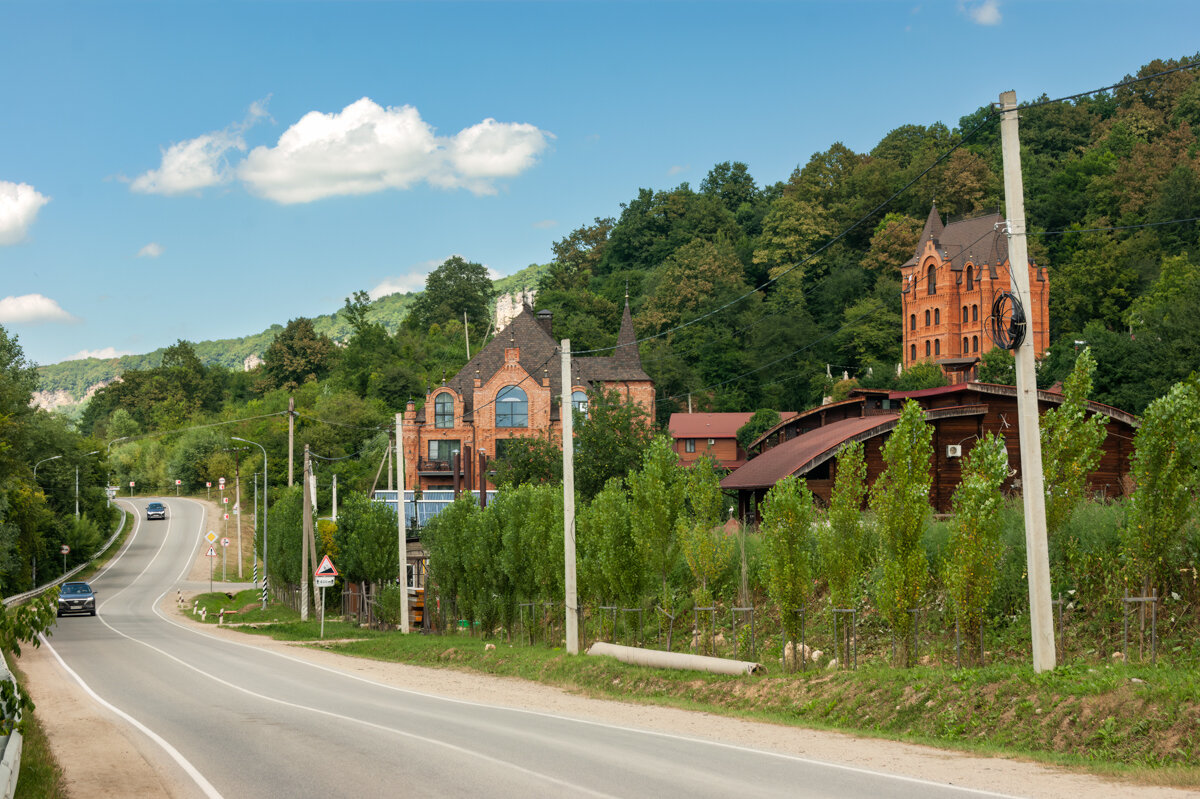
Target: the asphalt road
(233, 720)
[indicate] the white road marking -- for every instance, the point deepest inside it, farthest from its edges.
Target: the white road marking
(201, 782)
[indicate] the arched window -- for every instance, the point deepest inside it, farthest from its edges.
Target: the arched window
(970, 279)
(926, 349)
(914, 353)
(579, 401)
(964, 313)
(974, 313)
(512, 407)
(443, 410)
(974, 343)
(937, 346)
(931, 277)
(965, 342)
(937, 316)
(912, 322)
(926, 318)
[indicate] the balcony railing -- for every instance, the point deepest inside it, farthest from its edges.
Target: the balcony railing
(430, 466)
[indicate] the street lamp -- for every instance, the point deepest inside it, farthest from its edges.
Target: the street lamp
(264, 452)
(93, 452)
(107, 450)
(43, 460)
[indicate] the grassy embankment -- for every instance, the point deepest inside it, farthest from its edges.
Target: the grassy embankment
(1133, 721)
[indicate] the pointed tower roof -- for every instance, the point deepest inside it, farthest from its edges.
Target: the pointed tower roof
(626, 338)
(933, 225)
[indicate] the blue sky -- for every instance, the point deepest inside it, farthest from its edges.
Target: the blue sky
(202, 170)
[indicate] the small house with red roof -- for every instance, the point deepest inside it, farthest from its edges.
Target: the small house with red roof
(711, 434)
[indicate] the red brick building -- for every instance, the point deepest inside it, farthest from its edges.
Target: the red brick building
(511, 389)
(947, 291)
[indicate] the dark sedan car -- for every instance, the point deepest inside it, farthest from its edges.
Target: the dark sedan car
(156, 510)
(76, 598)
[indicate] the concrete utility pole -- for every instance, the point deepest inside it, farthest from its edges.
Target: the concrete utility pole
(307, 521)
(334, 517)
(401, 523)
(1033, 485)
(566, 411)
(291, 436)
(237, 500)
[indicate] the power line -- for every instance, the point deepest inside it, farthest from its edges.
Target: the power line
(1088, 93)
(812, 343)
(845, 232)
(1113, 227)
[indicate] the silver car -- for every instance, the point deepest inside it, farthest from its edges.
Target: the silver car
(76, 598)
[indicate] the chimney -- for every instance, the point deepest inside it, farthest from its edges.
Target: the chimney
(546, 320)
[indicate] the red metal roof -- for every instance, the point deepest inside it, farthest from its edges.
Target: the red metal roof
(711, 425)
(790, 456)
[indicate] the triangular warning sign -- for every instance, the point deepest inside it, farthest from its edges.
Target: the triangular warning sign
(326, 568)
(212, 553)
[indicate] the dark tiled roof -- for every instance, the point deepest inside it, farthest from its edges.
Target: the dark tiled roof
(540, 357)
(977, 240)
(812, 448)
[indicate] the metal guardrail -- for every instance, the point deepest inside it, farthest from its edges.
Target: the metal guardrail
(11, 745)
(16, 598)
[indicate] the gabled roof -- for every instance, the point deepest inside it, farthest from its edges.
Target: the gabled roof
(540, 356)
(980, 240)
(707, 425)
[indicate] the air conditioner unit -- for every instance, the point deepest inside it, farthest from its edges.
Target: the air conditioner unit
(954, 450)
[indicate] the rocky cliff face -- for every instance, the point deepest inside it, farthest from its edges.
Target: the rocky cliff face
(63, 400)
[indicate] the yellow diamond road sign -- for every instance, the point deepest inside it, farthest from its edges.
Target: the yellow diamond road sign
(211, 536)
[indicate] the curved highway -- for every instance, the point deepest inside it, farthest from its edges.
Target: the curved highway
(235, 720)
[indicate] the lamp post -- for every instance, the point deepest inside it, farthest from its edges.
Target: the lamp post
(35, 468)
(264, 452)
(93, 452)
(43, 460)
(108, 480)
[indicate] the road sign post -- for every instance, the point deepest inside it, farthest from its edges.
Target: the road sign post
(212, 554)
(224, 549)
(131, 488)
(177, 484)
(65, 549)
(324, 578)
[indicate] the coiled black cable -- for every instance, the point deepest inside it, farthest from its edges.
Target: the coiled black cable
(1007, 323)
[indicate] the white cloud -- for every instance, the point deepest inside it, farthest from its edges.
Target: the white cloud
(32, 308)
(545, 224)
(198, 163)
(985, 13)
(103, 354)
(413, 281)
(19, 206)
(191, 165)
(675, 170)
(151, 250)
(366, 148)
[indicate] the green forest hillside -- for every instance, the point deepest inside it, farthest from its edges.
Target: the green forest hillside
(76, 377)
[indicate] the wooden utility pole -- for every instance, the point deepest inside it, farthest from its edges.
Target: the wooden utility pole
(291, 436)
(1033, 489)
(566, 411)
(467, 335)
(402, 523)
(306, 533)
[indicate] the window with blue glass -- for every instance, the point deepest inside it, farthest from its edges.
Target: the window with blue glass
(579, 401)
(443, 410)
(512, 407)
